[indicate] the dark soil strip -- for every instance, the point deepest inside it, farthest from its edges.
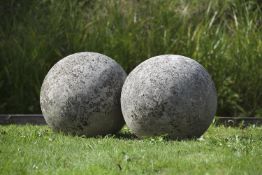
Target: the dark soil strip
(238, 121)
(38, 119)
(35, 119)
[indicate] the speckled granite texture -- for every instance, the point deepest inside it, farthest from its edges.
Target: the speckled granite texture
(169, 95)
(80, 95)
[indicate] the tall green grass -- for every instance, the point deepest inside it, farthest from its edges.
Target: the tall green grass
(224, 36)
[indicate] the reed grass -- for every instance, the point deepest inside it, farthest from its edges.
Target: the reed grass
(224, 36)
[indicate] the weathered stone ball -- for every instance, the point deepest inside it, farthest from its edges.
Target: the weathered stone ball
(169, 95)
(80, 95)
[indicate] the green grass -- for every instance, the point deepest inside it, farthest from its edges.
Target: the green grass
(38, 150)
(224, 36)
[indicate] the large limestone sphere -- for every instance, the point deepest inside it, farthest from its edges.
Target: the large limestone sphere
(81, 95)
(169, 95)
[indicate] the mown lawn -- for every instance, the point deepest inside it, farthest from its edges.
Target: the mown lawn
(38, 150)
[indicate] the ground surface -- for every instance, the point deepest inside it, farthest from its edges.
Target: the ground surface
(37, 150)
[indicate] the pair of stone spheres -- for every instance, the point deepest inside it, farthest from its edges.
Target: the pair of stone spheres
(80, 95)
(168, 95)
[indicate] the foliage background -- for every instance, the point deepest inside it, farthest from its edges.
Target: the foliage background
(224, 36)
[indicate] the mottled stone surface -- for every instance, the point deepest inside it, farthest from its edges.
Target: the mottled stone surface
(81, 95)
(169, 95)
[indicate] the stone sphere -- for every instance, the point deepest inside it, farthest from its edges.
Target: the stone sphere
(169, 95)
(80, 95)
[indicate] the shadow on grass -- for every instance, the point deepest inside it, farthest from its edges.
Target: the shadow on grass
(130, 136)
(120, 136)
(125, 136)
